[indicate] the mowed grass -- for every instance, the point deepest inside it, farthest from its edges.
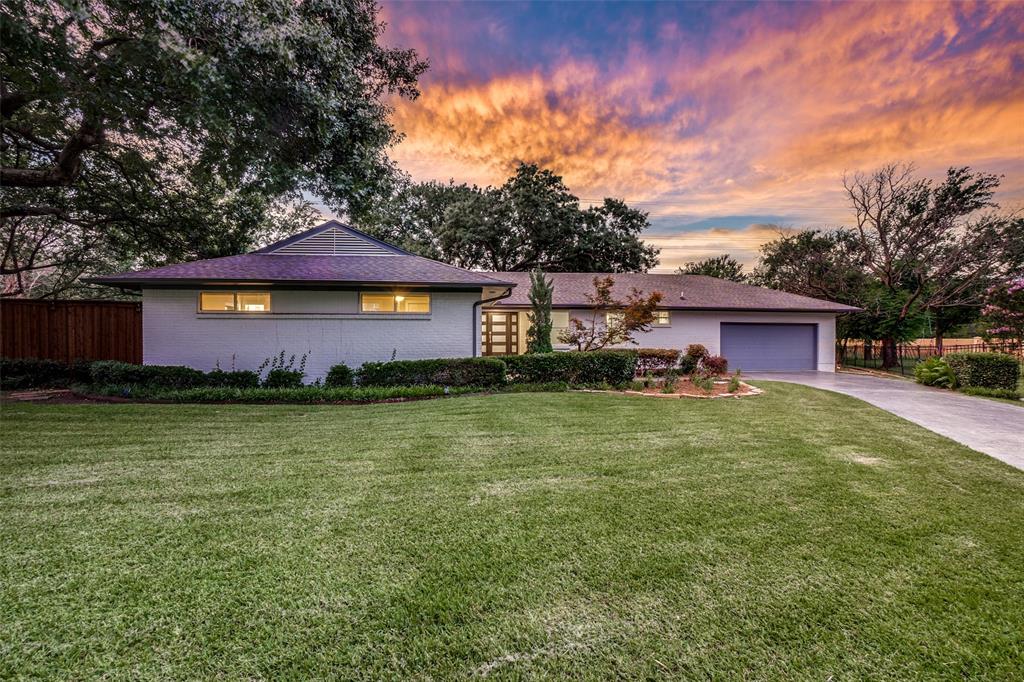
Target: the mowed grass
(796, 535)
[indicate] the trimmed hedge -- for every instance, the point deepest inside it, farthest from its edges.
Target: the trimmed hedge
(105, 372)
(20, 373)
(305, 394)
(985, 370)
(656, 360)
(339, 375)
(439, 372)
(284, 378)
(233, 379)
(614, 367)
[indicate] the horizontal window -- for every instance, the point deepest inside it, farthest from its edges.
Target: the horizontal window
(394, 303)
(661, 317)
(234, 302)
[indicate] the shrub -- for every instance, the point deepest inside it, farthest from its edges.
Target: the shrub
(1007, 393)
(704, 382)
(935, 371)
(715, 365)
(615, 367)
(302, 394)
(656, 360)
(339, 375)
(687, 365)
(734, 382)
(156, 376)
(18, 373)
(696, 352)
(986, 370)
(283, 378)
(219, 378)
(439, 372)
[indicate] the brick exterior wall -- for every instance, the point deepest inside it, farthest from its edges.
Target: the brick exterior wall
(325, 324)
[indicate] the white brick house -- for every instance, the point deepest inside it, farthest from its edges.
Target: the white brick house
(336, 295)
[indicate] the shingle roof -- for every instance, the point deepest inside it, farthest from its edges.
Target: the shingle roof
(390, 266)
(681, 292)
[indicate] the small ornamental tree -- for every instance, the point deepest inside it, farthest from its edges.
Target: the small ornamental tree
(1004, 310)
(612, 322)
(538, 338)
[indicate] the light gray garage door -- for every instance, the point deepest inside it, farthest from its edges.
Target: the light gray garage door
(770, 347)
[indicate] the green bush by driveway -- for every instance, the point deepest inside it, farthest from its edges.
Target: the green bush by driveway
(985, 370)
(796, 535)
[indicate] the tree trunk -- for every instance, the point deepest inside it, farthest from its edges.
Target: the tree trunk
(889, 353)
(867, 350)
(938, 343)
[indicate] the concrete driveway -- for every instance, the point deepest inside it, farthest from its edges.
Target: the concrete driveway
(988, 426)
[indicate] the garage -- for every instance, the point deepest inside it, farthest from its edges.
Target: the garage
(770, 347)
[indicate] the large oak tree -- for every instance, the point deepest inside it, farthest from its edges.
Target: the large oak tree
(165, 129)
(532, 221)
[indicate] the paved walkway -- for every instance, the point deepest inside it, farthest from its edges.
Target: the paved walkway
(988, 426)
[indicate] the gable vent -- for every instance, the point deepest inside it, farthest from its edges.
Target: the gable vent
(332, 242)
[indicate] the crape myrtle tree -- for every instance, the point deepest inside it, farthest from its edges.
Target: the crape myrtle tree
(538, 337)
(612, 321)
(145, 131)
(723, 267)
(531, 221)
(1004, 310)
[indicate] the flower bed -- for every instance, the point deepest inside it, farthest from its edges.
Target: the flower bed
(684, 388)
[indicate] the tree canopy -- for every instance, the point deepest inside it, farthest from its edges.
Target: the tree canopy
(531, 221)
(722, 267)
(920, 253)
(169, 129)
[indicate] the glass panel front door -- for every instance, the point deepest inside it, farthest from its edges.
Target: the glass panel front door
(499, 333)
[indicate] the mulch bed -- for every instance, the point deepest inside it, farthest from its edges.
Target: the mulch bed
(685, 389)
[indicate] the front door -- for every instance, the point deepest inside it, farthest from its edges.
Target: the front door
(499, 334)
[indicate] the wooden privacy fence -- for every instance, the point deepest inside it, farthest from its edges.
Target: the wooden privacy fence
(71, 330)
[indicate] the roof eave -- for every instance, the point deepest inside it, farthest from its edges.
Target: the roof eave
(166, 282)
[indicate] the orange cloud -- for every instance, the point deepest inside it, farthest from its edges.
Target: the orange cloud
(765, 122)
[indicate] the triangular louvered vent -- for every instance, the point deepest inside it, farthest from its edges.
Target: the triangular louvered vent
(332, 242)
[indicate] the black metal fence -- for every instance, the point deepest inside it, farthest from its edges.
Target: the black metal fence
(858, 354)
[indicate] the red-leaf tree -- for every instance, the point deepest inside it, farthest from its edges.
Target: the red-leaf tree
(612, 322)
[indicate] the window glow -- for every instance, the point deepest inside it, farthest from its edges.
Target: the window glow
(234, 301)
(395, 303)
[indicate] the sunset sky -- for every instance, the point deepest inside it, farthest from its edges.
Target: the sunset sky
(721, 120)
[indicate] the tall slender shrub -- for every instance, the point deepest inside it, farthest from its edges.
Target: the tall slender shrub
(538, 338)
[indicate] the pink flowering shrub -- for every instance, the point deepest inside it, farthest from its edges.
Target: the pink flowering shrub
(1004, 310)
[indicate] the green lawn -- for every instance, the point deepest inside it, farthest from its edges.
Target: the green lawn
(796, 535)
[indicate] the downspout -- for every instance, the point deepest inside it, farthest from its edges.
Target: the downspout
(476, 317)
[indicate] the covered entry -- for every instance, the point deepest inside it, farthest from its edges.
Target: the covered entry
(499, 334)
(770, 347)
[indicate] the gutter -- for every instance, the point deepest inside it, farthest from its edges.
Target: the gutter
(476, 316)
